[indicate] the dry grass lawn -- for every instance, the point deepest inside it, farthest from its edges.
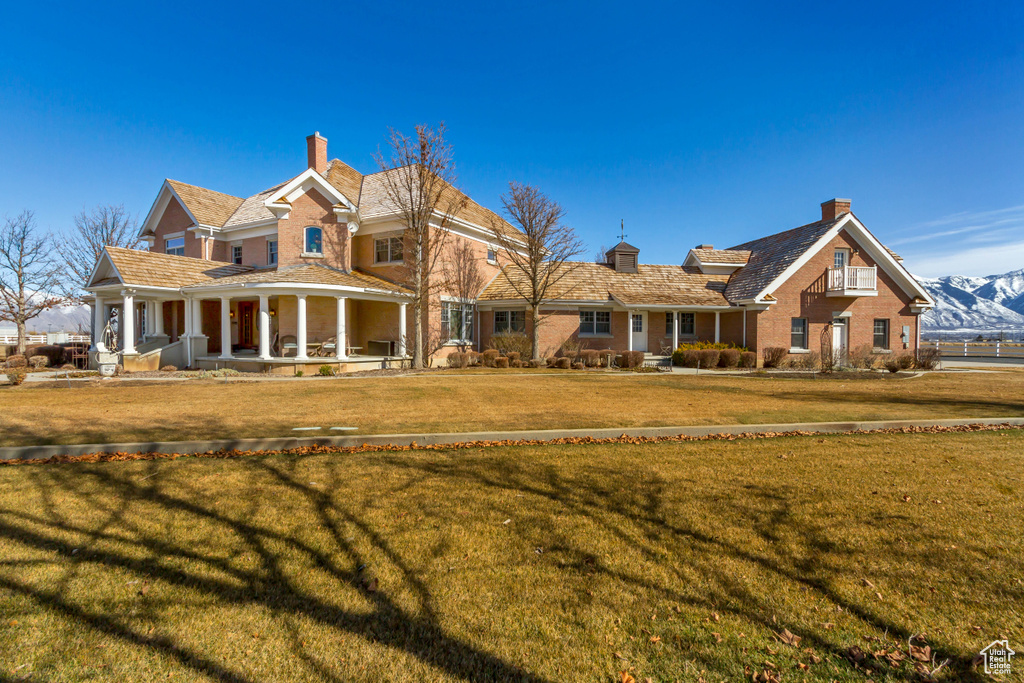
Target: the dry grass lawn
(674, 561)
(115, 411)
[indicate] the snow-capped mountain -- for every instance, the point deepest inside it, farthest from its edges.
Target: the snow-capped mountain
(59, 319)
(962, 303)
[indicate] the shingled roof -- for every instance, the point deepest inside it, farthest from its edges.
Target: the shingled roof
(725, 256)
(207, 206)
(651, 285)
(154, 269)
(310, 273)
(770, 256)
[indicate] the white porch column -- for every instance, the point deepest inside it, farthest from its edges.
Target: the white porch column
(744, 328)
(158, 318)
(340, 338)
(629, 329)
(401, 329)
(265, 326)
(718, 325)
(127, 322)
(225, 327)
(99, 320)
(197, 317)
(675, 330)
(300, 328)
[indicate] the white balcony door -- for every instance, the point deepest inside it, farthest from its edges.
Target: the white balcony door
(639, 323)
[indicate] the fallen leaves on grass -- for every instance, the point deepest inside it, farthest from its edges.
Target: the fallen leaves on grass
(789, 638)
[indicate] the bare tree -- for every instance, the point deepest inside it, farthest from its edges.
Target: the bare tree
(541, 259)
(106, 225)
(601, 255)
(462, 275)
(419, 183)
(28, 277)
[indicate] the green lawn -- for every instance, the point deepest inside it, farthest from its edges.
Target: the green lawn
(674, 561)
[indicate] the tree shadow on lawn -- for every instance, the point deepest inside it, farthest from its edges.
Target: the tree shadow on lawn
(1012, 405)
(95, 516)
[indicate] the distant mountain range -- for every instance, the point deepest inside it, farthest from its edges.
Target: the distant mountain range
(980, 304)
(60, 319)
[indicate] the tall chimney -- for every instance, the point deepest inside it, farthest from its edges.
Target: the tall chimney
(834, 208)
(316, 152)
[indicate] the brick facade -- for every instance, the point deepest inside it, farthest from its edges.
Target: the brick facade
(312, 209)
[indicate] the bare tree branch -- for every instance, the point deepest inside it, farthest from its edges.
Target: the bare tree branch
(540, 260)
(106, 225)
(28, 276)
(463, 277)
(419, 182)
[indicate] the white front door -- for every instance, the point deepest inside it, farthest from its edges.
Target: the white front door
(839, 339)
(639, 324)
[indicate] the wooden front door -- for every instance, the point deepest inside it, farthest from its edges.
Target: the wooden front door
(246, 323)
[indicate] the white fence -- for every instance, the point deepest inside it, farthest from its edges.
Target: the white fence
(978, 349)
(51, 338)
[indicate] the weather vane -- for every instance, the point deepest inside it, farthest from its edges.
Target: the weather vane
(622, 230)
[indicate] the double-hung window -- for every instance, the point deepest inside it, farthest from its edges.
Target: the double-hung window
(595, 322)
(492, 255)
(881, 336)
(457, 321)
(798, 333)
(509, 321)
(175, 247)
(387, 250)
(271, 252)
(236, 254)
(313, 240)
(686, 324)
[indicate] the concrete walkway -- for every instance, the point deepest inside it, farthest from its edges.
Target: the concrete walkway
(353, 441)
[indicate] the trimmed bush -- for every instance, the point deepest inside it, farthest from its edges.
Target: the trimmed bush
(807, 361)
(501, 362)
(17, 361)
(16, 376)
(563, 363)
(579, 365)
(507, 343)
(39, 362)
(488, 357)
(326, 371)
(748, 359)
(515, 363)
(630, 359)
(457, 359)
(552, 361)
(905, 361)
(605, 354)
(728, 358)
(537, 363)
(709, 357)
(591, 358)
(472, 358)
(892, 365)
(927, 359)
(68, 366)
(513, 356)
(701, 345)
(167, 368)
(774, 355)
(55, 355)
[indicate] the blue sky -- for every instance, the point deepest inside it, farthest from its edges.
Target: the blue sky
(693, 123)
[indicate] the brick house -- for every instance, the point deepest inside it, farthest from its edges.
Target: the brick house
(310, 272)
(828, 280)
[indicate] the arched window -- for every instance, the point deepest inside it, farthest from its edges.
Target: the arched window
(314, 241)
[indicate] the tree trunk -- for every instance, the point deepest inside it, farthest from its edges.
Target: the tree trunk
(21, 338)
(535, 313)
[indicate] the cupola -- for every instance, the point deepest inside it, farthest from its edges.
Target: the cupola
(623, 257)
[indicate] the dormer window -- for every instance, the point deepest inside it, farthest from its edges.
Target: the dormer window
(314, 240)
(175, 247)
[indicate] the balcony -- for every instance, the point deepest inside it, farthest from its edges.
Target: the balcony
(852, 281)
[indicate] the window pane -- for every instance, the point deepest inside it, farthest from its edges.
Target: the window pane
(314, 238)
(686, 323)
(638, 322)
(236, 254)
(175, 246)
(881, 330)
(492, 255)
(396, 249)
(798, 336)
(603, 322)
(669, 318)
(518, 321)
(467, 322)
(586, 322)
(500, 321)
(839, 260)
(272, 252)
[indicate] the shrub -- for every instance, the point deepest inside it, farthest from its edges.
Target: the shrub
(326, 371)
(579, 365)
(488, 357)
(298, 373)
(513, 356)
(39, 362)
(630, 359)
(892, 365)
(686, 358)
(501, 362)
(552, 361)
(774, 355)
(905, 361)
(728, 358)
(166, 368)
(516, 363)
(537, 362)
(591, 357)
(927, 359)
(863, 356)
(748, 359)
(55, 355)
(507, 343)
(458, 359)
(68, 366)
(701, 345)
(16, 376)
(472, 358)
(572, 348)
(17, 361)
(808, 361)
(709, 357)
(606, 357)
(563, 363)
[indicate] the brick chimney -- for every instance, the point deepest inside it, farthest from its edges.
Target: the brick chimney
(832, 209)
(316, 152)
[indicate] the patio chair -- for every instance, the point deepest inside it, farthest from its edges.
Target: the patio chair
(329, 347)
(666, 349)
(289, 343)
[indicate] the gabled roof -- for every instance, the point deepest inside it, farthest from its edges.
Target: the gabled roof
(652, 285)
(254, 209)
(770, 257)
(154, 269)
(206, 206)
(729, 257)
(308, 273)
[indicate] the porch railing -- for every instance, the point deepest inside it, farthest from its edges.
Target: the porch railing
(853, 277)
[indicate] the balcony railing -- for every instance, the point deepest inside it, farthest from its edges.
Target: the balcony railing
(858, 278)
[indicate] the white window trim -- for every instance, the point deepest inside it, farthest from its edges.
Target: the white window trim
(795, 350)
(387, 236)
(595, 334)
